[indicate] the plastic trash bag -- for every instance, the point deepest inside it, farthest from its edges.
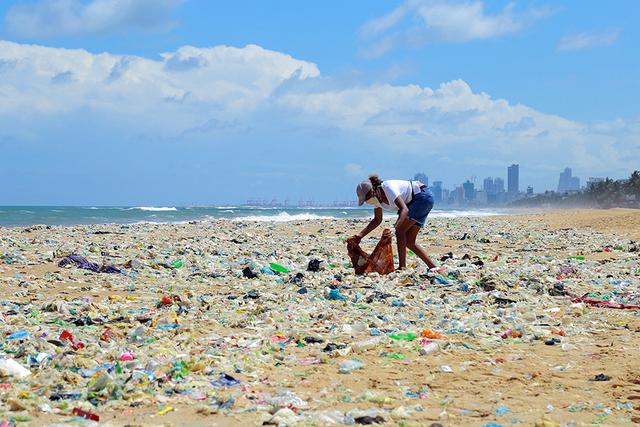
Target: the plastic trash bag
(380, 260)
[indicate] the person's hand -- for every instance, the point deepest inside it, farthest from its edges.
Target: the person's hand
(355, 238)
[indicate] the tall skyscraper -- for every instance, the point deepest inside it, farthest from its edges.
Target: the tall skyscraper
(446, 195)
(513, 179)
(567, 182)
(489, 185)
(437, 191)
(498, 184)
(458, 195)
(422, 178)
(469, 191)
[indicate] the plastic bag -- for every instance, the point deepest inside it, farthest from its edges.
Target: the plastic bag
(380, 260)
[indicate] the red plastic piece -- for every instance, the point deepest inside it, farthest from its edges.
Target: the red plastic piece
(68, 336)
(604, 303)
(85, 414)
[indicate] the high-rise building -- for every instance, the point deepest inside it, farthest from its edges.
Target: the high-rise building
(513, 179)
(422, 178)
(445, 195)
(498, 185)
(567, 182)
(489, 186)
(529, 191)
(469, 191)
(458, 195)
(437, 191)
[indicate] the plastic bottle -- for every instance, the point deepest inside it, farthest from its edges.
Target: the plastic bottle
(348, 366)
(13, 368)
(367, 344)
(430, 348)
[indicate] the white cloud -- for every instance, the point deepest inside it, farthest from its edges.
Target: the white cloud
(226, 81)
(354, 169)
(588, 40)
(55, 18)
(417, 22)
(201, 93)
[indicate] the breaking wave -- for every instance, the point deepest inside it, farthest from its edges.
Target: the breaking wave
(154, 209)
(282, 217)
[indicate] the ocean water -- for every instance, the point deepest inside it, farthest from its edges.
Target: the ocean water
(69, 215)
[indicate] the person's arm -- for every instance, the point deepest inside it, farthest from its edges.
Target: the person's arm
(403, 212)
(373, 224)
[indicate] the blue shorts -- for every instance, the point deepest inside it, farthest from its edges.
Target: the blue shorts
(420, 206)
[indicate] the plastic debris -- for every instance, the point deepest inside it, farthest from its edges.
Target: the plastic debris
(226, 333)
(86, 414)
(429, 348)
(350, 365)
(403, 336)
(278, 268)
(380, 260)
(12, 368)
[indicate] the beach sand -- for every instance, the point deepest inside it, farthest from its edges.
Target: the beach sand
(493, 365)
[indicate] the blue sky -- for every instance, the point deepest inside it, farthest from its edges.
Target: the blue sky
(198, 102)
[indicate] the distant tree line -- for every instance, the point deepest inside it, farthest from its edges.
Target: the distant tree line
(606, 194)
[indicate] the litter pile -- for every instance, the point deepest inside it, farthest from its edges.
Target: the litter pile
(268, 323)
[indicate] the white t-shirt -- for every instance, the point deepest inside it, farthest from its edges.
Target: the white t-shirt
(394, 188)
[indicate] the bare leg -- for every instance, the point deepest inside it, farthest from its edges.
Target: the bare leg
(401, 237)
(411, 235)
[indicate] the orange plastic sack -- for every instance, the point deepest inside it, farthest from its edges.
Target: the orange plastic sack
(380, 260)
(428, 333)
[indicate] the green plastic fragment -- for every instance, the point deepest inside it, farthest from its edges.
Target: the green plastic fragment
(403, 336)
(176, 264)
(398, 356)
(279, 268)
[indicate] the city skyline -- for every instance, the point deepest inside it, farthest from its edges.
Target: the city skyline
(491, 192)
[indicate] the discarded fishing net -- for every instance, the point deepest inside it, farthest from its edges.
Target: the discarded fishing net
(380, 260)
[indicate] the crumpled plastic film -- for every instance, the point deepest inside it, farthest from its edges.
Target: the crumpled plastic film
(380, 260)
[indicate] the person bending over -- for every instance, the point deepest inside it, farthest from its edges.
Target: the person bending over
(412, 200)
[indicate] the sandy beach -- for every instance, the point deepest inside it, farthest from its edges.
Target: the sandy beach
(197, 342)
